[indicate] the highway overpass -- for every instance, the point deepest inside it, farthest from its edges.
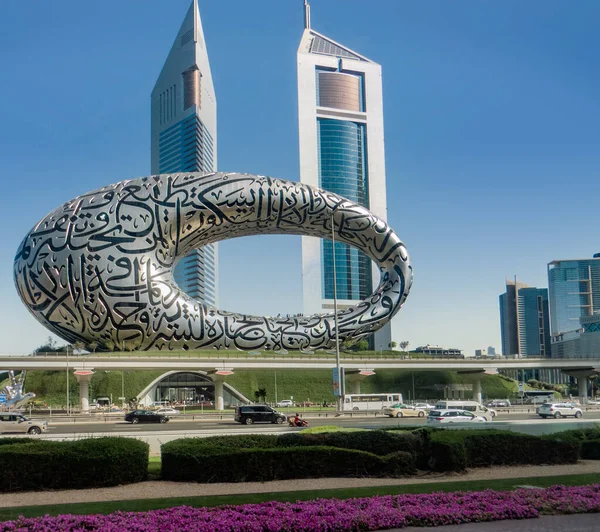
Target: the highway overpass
(245, 361)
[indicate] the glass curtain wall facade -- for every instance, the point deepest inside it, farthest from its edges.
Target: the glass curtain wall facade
(574, 288)
(184, 137)
(342, 170)
(524, 320)
(341, 140)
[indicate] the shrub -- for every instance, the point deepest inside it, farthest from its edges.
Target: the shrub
(447, 451)
(590, 449)
(11, 441)
(455, 450)
(378, 442)
(493, 447)
(93, 462)
(247, 465)
(582, 434)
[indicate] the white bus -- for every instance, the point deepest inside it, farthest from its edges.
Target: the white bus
(370, 401)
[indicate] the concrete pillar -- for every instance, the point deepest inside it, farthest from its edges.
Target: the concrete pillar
(582, 377)
(582, 384)
(355, 377)
(83, 378)
(218, 380)
(477, 390)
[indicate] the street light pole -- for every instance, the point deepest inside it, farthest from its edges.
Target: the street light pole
(68, 397)
(339, 398)
(123, 387)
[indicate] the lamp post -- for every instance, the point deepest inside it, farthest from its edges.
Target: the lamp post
(123, 388)
(68, 396)
(339, 397)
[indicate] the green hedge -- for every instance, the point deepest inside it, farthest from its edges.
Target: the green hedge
(590, 449)
(378, 442)
(88, 463)
(582, 434)
(455, 450)
(271, 457)
(279, 463)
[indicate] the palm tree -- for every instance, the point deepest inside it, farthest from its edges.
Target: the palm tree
(404, 345)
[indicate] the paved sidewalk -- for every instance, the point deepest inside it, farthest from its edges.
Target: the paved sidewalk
(546, 523)
(163, 489)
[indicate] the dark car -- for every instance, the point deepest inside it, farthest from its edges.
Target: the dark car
(146, 416)
(258, 414)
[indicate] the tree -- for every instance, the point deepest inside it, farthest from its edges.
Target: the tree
(263, 393)
(131, 345)
(257, 395)
(92, 346)
(361, 345)
(109, 345)
(49, 346)
(79, 346)
(404, 345)
(393, 345)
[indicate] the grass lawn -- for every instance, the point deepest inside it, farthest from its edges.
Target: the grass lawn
(292, 496)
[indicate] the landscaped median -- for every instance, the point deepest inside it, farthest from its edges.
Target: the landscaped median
(29, 464)
(373, 513)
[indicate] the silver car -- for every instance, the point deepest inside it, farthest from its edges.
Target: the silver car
(442, 417)
(558, 410)
(19, 423)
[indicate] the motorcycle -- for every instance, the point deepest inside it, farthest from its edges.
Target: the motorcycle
(292, 423)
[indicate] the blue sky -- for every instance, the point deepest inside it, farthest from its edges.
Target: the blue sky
(492, 113)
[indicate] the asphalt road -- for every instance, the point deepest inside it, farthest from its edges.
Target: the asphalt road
(180, 423)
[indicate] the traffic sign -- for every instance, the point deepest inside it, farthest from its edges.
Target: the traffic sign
(2, 398)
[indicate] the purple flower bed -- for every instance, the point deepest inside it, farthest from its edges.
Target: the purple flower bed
(333, 515)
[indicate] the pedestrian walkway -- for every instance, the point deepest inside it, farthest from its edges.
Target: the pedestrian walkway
(545, 523)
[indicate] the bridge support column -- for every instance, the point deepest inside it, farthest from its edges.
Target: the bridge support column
(355, 376)
(582, 385)
(477, 390)
(218, 376)
(219, 403)
(582, 377)
(83, 378)
(478, 374)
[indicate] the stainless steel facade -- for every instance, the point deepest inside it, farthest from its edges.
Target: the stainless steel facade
(100, 267)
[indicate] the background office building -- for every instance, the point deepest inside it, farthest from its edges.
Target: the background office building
(525, 330)
(575, 307)
(340, 110)
(574, 287)
(184, 137)
(524, 320)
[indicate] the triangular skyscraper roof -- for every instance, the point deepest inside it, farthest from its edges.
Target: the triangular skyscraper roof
(325, 46)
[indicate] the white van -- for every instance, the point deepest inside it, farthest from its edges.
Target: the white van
(472, 406)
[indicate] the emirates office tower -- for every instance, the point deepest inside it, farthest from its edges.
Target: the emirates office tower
(184, 137)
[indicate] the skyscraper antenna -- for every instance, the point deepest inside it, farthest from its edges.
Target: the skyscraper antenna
(306, 15)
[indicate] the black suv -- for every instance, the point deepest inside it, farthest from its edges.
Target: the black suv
(258, 414)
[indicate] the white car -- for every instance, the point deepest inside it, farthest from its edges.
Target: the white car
(437, 417)
(285, 402)
(167, 411)
(10, 422)
(558, 410)
(423, 406)
(402, 410)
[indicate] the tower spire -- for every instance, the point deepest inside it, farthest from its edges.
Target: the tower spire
(306, 15)
(195, 18)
